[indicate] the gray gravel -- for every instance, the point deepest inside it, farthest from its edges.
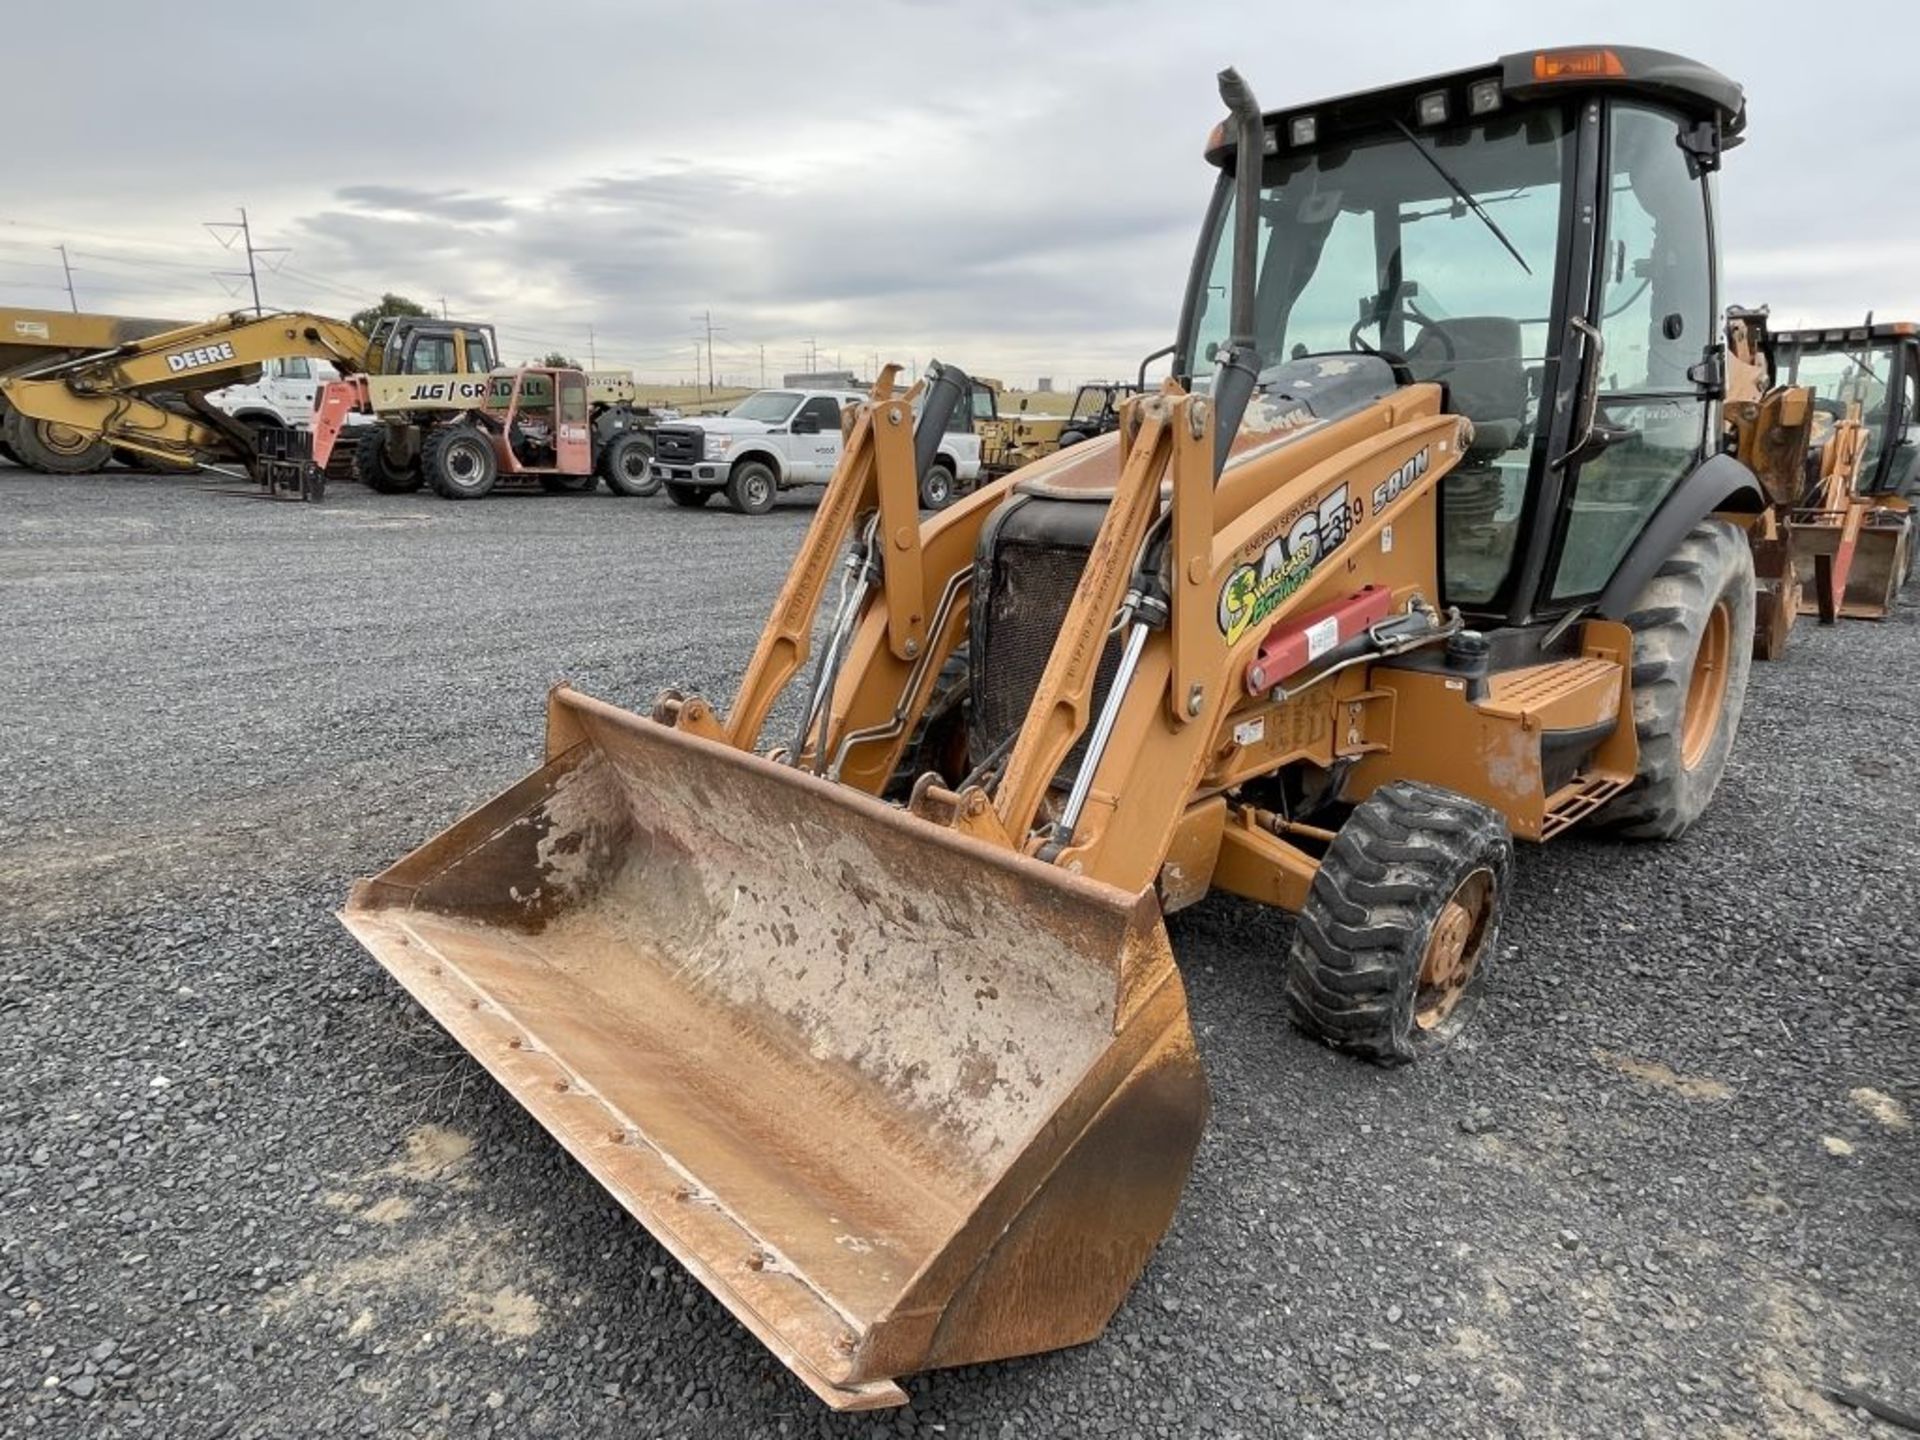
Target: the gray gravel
(247, 1188)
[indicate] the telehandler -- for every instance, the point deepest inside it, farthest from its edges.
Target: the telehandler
(148, 395)
(32, 339)
(545, 423)
(375, 427)
(864, 1005)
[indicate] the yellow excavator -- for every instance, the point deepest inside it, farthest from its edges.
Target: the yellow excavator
(147, 396)
(33, 339)
(858, 993)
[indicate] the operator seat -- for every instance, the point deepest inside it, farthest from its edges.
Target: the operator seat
(1477, 358)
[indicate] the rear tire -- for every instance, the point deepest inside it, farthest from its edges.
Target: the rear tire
(688, 497)
(938, 488)
(1692, 649)
(627, 466)
(1401, 923)
(751, 487)
(460, 462)
(375, 469)
(54, 449)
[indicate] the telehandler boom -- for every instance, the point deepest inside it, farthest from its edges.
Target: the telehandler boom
(860, 997)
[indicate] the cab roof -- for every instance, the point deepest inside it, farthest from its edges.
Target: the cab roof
(1848, 334)
(1695, 89)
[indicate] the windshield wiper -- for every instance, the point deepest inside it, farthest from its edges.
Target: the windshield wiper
(1461, 190)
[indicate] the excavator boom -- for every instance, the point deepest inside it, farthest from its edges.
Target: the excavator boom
(125, 395)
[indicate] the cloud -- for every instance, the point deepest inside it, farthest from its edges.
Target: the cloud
(1014, 186)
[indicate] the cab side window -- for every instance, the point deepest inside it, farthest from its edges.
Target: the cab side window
(824, 410)
(1656, 319)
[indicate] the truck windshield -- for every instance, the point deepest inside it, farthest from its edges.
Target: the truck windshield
(1368, 247)
(769, 407)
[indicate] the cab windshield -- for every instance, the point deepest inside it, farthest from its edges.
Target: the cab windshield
(1840, 379)
(769, 407)
(1369, 248)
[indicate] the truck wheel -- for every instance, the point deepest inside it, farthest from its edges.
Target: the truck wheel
(1692, 648)
(688, 497)
(376, 470)
(937, 486)
(751, 487)
(55, 449)
(627, 466)
(459, 462)
(1401, 923)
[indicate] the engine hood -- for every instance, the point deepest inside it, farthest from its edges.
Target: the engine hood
(1294, 398)
(724, 425)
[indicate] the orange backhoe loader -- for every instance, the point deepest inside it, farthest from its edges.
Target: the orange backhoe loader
(1835, 538)
(859, 995)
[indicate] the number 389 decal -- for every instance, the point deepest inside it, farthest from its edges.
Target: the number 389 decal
(1255, 591)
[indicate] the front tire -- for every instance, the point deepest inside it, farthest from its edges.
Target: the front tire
(751, 487)
(627, 466)
(937, 486)
(688, 497)
(1401, 924)
(1692, 650)
(460, 462)
(374, 468)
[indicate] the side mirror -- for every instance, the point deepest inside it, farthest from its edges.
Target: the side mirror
(805, 425)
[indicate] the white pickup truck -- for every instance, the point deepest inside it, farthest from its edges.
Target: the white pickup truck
(778, 440)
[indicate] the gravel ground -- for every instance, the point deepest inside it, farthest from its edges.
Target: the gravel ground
(1667, 1188)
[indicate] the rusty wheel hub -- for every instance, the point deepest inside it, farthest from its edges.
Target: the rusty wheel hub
(1453, 950)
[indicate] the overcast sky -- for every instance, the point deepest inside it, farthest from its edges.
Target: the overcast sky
(1013, 186)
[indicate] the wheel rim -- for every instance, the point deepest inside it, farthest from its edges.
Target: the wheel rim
(1453, 950)
(463, 465)
(758, 491)
(64, 439)
(633, 465)
(1707, 687)
(937, 492)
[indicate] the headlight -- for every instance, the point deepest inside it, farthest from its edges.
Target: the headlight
(717, 447)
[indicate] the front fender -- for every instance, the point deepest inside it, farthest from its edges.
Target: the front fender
(1719, 483)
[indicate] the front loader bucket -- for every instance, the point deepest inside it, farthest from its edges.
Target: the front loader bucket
(898, 1098)
(1874, 561)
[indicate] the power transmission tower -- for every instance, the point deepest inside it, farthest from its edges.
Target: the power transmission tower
(69, 270)
(242, 231)
(705, 317)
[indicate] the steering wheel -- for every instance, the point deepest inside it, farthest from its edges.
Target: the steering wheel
(1424, 326)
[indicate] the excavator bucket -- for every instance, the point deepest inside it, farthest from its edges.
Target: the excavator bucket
(899, 1099)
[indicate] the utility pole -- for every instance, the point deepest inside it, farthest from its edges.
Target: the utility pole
(705, 317)
(245, 235)
(443, 307)
(763, 367)
(69, 269)
(593, 360)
